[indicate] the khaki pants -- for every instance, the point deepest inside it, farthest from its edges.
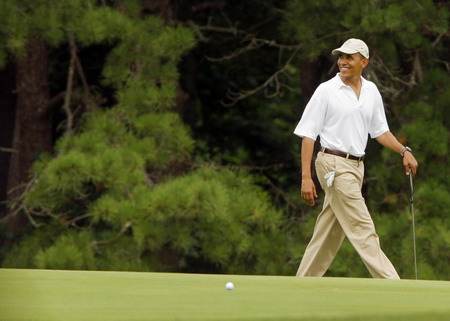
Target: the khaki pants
(344, 213)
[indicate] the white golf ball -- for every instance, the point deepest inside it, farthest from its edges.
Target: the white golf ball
(229, 286)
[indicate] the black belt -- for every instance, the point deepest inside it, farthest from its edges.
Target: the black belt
(341, 154)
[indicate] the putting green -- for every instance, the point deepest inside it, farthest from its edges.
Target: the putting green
(32, 295)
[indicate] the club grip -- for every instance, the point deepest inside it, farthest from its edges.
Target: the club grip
(411, 187)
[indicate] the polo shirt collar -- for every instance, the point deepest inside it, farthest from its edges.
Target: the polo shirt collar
(339, 83)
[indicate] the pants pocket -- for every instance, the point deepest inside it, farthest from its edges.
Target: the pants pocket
(324, 164)
(348, 185)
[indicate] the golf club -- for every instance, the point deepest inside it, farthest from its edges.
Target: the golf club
(411, 202)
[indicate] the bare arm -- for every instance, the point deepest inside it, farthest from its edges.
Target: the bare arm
(308, 187)
(409, 162)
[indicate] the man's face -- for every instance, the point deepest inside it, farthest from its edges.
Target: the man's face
(351, 66)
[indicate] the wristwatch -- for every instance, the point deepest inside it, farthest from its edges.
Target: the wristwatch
(405, 149)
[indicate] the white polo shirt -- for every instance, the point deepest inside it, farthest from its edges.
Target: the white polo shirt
(341, 120)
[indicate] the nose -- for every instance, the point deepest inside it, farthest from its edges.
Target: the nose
(342, 61)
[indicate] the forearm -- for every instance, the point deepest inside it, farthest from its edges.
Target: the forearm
(308, 188)
(388, 140)
(307, 154)
(409, 161)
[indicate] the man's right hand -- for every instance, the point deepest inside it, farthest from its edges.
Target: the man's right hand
(309, 191)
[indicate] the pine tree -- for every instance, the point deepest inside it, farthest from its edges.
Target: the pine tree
(111, 196)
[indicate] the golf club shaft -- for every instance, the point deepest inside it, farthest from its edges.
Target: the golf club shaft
(411, 201)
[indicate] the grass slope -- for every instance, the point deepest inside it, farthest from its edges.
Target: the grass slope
(32, 295)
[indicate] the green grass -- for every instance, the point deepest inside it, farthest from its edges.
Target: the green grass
(31, 295)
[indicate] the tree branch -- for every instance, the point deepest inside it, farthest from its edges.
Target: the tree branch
(55, 102)
(260, 168)
(73, 221)
(8, 150)
(272, 80)
(280, 192)
(253, 43)
(391, 84)
(86, 92)
(235, 32)
(207, 6)
(68, 96)
(18, 205)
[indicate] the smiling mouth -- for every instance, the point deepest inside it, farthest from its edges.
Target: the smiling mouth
(344, 68)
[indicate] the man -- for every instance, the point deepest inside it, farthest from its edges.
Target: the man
(343, 112)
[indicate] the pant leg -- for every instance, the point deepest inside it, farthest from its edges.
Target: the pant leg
(325, 243)
(327, 236)
(352, 213)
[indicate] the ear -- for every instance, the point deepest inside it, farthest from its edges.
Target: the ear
(365, 62)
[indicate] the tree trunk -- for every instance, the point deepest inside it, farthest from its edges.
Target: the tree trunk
(33, 123)
(7, 110)
(309, 79)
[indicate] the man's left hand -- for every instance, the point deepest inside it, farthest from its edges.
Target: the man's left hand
(410, 163)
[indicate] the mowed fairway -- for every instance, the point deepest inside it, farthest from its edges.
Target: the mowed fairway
(29, 295)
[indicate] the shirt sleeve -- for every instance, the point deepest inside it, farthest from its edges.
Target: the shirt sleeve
(313, 117)
(378, 124)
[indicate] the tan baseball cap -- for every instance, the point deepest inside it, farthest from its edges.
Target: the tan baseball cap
(352, 46)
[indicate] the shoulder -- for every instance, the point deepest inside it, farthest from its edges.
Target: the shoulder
(370, 85)
(326, 87)
(332, 83)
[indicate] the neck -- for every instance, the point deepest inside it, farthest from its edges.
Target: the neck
(355, 83)
(352, 82)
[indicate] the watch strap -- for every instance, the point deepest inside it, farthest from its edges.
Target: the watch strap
(405, 149)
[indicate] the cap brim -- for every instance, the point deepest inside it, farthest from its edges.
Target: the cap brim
(344, 50)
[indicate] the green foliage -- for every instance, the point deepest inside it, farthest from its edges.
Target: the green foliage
(73, 250)
(316, 25)
(22, 254)
(111, 198)
(425, 130)
(218, 217)
(120, 192)
(430, 136)
(432, 199)
(101, 25)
